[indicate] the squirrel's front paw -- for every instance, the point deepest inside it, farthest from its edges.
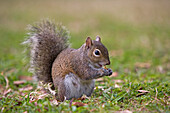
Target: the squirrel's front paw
(106, 72)
(109, 72)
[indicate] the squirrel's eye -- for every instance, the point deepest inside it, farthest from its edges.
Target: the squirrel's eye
(96, 53)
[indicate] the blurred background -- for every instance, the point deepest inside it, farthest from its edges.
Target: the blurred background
(136, 33)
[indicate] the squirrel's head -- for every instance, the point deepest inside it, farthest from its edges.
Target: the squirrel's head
(97, 53)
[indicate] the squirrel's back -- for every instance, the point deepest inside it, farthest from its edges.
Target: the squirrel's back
(46, 40)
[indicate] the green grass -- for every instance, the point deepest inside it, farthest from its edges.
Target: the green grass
(137, 35)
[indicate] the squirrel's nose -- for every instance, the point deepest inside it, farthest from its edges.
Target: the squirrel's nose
(108, 62)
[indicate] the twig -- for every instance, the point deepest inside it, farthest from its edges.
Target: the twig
(7, 82)
(156, 93)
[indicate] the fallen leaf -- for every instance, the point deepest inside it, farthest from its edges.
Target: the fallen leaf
(37, 95)
(143, 109)
(108, 90)
(118, 81)
(99, 87)
(53, 92)
(103, 105)
(42, 96)
(55, 102)
(18, 82)
(7, 91)
(27, 78)
(26, 88)
(22, 94)
(143, 91)
(114, 74)
(7, 82)
(160, 69)
(143, 65)
(156, 93)
(126, 70)
(79, 104)
(93, 110)
(33, 100)
(125, 111)
(39, 110)
(2, 73)
(117, 86)
(83, 98)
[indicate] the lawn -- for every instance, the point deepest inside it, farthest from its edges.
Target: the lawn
(136, 33)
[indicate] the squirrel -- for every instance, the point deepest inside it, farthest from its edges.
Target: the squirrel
(72, 71)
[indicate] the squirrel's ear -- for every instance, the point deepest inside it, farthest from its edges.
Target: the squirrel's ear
(88, 42)
(98, 38)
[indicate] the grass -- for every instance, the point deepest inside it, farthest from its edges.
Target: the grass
(136, 34)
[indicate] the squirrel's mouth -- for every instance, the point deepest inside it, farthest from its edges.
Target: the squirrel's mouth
(100, 65)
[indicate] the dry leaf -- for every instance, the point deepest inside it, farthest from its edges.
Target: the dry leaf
(161, 69)
(93, 110)
(118, 81)
(7, 82)
(27, 78)
(117, 86)
(39, 110)
(26, 88)
(79, 104)
(125, 111)
(37, 95)
(22, 94)
(7, 91)
(53, 92)
(114, 74)
(33, 100)
(126, 70)
(143, 65)
(42, 96)
(2, 73)
(99, 87)
(19, 82)
(83, 98)
(143, 91)
(54, 102)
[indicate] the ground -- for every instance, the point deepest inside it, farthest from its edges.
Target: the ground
(136, 33)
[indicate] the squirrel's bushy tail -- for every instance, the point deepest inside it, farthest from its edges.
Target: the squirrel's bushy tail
(46, 40)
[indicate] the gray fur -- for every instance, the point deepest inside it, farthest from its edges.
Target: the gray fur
(75, 87)
(45, 41)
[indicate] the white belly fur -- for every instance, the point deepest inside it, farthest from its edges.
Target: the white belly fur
(75, 87)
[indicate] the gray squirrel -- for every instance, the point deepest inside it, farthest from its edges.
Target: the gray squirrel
(72, 71)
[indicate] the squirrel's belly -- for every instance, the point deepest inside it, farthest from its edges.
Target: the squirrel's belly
(75, 87)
